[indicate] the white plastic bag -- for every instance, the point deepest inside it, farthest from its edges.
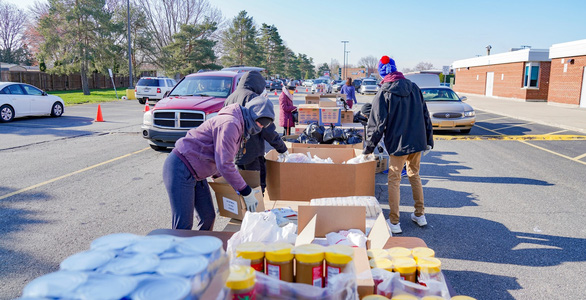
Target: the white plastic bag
(360, 159)
(352, 237)
(298, 158)
(262, 227)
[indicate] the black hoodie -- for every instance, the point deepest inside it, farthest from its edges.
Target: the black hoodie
(400, 113)
(251, 85)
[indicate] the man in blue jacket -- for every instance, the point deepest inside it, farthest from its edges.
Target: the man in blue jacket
(400, 114)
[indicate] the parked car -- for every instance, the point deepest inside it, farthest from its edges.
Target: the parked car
(308, 83)
(276, 85)
(196, 98)
(337, 85)
(22, 100)
(368, 86)
(447, 110)
(268, 84)
(153, 88)
(321, 84)
(295, 82)
(424, 80)
(357, 83)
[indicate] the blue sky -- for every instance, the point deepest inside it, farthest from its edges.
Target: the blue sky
(438, 32)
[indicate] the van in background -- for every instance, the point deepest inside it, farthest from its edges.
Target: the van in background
(424, 80)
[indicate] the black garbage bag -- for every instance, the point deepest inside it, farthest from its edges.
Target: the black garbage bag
(311, 141)
(339, 143)
(334, 134)
(315, 131)
(354, 139)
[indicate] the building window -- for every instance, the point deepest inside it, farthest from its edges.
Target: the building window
(531, 75)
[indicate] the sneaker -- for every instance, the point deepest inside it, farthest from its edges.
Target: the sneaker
(395, 228)
(404, 173)
(421, 221)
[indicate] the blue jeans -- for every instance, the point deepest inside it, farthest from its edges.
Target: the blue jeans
(187, 194)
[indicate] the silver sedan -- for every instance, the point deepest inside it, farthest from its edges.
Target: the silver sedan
(447, 110)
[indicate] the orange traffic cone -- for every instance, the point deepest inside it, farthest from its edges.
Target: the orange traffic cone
(146, 107)
(306, 90)
(99, 116)
(275, 92)
(296, 91)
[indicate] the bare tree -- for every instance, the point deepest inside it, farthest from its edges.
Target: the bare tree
(12, 25)
(369, 62)
(165, 18)
(423, 66)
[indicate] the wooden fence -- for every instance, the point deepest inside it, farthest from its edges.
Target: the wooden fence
(52, 82)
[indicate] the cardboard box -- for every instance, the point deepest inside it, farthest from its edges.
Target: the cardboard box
(328, 103)
(308, 113)
(232, 205)
(312, 99)
(347, 116)
(317, 221)
(382, 163)
(330, 115)
(303, 182)
(334, 95)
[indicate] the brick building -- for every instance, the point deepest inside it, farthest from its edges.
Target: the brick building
(356, 73)
(567, 82)
(520, 73)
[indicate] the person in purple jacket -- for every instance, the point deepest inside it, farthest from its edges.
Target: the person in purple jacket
(210, 150)
(287, 108)
(350, 92)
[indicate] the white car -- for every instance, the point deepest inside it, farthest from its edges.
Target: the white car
(308, 83)
(22, 100)
(153, 88)
(368, 86)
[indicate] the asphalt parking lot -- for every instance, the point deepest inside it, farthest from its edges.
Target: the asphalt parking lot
(503, 202)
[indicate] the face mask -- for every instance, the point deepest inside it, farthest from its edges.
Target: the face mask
(292, 92)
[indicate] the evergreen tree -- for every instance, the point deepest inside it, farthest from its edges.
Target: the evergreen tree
(306, 66)
(322, 69)
(191, 50)
(272, 50)
(239, 42)
(78, 37)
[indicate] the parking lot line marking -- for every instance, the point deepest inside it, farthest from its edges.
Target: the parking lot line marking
(492, 119)
(559, 131)
(507, 127)
(502, 137)
(70, 174)
(580, 156)
(553, 152)
(488, 129)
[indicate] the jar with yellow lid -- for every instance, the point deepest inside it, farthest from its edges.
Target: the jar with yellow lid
(279, 261)
(462, 297)
(241, 283)
(429, 268)
(433, 298)
(404, 297)
(309, 263)
(418, 252)
(254, 251)
(406, 267)
(381, 263)
(399, 252)
(337, 257)
(377, 253)
(375, 297)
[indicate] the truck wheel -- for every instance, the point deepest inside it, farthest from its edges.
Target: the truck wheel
(141, 101)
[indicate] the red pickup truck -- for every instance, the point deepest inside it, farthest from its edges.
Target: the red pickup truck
(196, 98)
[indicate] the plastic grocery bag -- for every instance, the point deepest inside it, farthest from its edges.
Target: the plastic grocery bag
(360, 159)
(395, 285)
(298, 158)
(352, 238)
(262, 227)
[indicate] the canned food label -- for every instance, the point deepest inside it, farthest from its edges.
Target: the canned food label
(258, 267)
(274, 271)
(245, 296)
(331, 272)
(316, 276)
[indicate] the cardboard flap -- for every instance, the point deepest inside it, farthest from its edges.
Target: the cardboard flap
(379, 234)
(252, 178)
(307, 235)
(332, 218)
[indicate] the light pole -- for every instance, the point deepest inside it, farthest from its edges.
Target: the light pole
(130, 80)
(345, 42)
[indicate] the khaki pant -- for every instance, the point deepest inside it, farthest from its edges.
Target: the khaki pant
(396, 166)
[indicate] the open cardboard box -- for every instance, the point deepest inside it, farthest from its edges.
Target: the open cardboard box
(306, 181)
(230, 204)
(317, 221)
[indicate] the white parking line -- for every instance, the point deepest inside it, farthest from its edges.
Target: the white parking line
(507, 127)
(70, 174)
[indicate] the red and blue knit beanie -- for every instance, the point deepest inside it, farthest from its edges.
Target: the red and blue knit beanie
(386, 66)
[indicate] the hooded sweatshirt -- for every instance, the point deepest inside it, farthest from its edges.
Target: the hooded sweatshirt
(209, 149)
(400, 113)
(251, 85)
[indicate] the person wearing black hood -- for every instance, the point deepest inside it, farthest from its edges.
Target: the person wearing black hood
(251, 85)
(400, 114)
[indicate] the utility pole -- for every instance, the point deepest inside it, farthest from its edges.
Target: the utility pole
(345, 42)
(130, 80)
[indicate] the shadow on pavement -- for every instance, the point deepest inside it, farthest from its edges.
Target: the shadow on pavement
(63, 126)
(480, 285)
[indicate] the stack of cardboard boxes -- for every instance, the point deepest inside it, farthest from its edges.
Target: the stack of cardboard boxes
(325, 110)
